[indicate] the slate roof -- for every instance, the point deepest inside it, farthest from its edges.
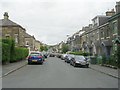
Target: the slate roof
(7, 22)
(27, 35)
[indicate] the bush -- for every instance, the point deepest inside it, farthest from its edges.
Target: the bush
(93, 60)
(104, 59)
(80, 53)
(5, 53)
(19, 54)
(10, 53)
(99, 60)
(118, 56)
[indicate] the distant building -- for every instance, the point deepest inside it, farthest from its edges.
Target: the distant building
(37, 45)
(30, 41)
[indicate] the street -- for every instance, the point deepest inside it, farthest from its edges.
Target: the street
(55, 73)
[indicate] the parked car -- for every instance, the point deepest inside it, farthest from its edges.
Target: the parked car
(69, 58)
(58, 55)
(35, 57)
(79, 61)
(51, 55)
(63, 56)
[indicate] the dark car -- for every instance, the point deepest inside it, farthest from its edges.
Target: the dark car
(52, 55)
(58, 55)
(79, 61)
(68, 58)
(35, 57)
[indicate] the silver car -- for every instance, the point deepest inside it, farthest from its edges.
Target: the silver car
(79, 61)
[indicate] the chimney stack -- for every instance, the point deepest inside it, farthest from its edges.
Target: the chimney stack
(6, 16)
(110, 13)
(117, 7)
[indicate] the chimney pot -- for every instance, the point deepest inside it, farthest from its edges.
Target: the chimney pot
(110, 13)
(118, 7)
(6, 16)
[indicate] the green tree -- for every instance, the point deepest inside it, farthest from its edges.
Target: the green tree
(65, 48)
(43, 48)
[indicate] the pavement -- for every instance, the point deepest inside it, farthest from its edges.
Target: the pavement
(106, 70)
(11, 67)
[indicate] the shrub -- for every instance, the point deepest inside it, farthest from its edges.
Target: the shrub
(118, 56)
(20, 54)
(112, 60)
(104, 59)
(80, 53)
(10, 53)
(99, 60)
(5, 53)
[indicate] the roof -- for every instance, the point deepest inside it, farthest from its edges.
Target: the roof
(7, 22)
(116, 16)
(98, 16)
(27, 35)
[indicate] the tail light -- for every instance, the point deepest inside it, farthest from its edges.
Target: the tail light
(29, 57)
(39, 56)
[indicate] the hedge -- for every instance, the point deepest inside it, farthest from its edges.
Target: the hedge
(5, 53)
(118, 56)
(79, 53)
(19, 54)
(10, 53)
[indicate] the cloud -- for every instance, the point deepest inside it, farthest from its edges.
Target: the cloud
(51, 20)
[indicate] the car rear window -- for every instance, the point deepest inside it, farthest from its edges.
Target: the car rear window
(35, 54)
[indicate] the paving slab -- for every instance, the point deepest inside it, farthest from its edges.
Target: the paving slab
(6, 69)
(106, 70)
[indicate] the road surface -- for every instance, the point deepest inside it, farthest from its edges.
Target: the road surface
(55, 73)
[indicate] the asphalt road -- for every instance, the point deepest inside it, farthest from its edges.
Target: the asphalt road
(55, 73)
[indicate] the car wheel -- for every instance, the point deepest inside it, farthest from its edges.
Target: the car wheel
(29, 63)
(74, 64)
(87, 66)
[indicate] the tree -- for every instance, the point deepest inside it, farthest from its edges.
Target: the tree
(65, 48)
(43, 48)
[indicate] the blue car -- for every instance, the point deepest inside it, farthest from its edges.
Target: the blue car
(35, 57)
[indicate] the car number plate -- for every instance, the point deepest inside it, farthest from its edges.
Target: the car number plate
(34, 60)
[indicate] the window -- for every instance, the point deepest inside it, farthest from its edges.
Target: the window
(27, 42)
(108, 32)
(16, 38)
(97, 35)
(115, 28)
(7, 35)
(102, 33)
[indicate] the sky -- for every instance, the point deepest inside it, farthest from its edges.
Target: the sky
(51, 21)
